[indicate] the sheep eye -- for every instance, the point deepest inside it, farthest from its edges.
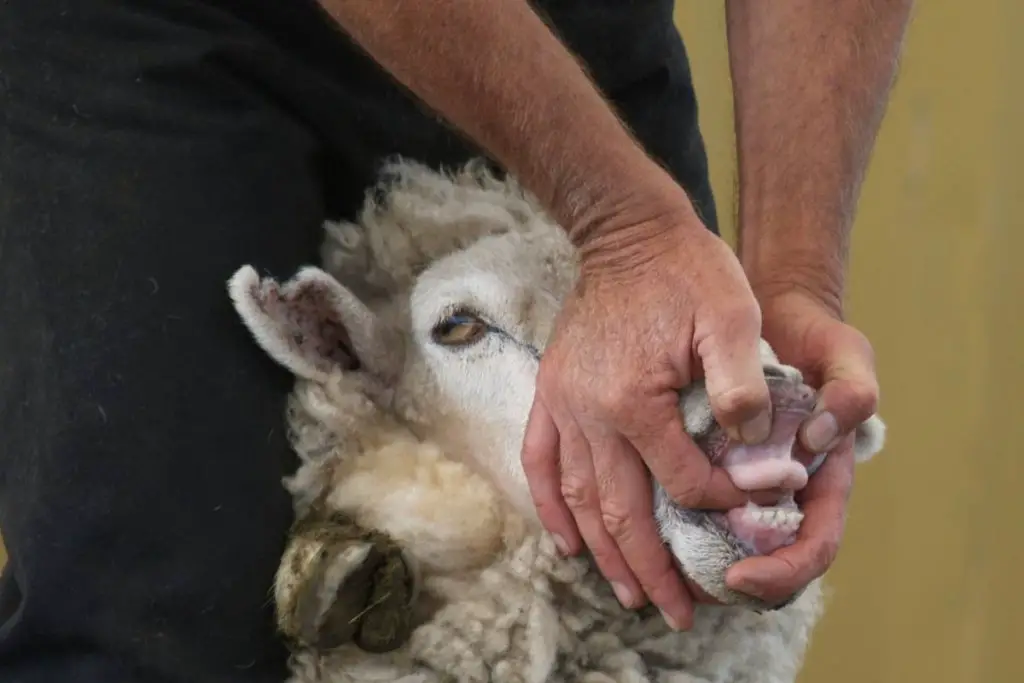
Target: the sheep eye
(459, 330)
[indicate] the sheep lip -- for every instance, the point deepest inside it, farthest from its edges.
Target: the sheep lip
(761, 530)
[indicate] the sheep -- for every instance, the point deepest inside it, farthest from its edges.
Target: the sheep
(416, 554)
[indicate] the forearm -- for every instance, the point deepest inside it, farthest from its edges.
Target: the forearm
(811, 80)
(495, 71)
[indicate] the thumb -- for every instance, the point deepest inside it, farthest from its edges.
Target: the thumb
(848, 396)
(734, 376)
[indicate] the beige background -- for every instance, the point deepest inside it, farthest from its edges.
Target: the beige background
(923, 589)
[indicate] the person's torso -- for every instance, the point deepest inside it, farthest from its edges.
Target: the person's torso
(289, 56)
(631, 49)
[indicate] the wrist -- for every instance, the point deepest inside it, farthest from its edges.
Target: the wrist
(604, 191)
(806, 280)
(640, 218)
(794, 253)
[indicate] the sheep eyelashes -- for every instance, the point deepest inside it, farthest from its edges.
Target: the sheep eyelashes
(417, 554)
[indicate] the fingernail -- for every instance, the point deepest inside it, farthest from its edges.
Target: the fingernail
(672, 623)
(562, 546)
(821, 431)
(747, 587)
(756, 430)
(624, 596)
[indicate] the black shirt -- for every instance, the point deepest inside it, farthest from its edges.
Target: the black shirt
(631, 49)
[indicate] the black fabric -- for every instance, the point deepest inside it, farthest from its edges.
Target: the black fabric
(147, 150)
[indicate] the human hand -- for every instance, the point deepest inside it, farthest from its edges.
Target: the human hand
(806, 331)
(654, 297)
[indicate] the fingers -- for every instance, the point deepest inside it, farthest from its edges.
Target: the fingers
(580, 490)
(849, 393)
(596, 490)
(626, 504)
(734, 375)
(540, 458)
(682, 469)
(777, 576)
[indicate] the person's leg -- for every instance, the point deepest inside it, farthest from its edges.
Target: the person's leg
(142, 451)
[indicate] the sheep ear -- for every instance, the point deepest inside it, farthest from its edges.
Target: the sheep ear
(311, 324)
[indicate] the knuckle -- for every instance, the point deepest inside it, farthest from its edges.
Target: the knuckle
(743, 400)
(864, 398)
(538, 462)
(618, 401)
(854, 403)
(576, 493)
(534, 458)
(686, 484)
(617, 521)
(548, 509)
(685, 492)
(860, 342)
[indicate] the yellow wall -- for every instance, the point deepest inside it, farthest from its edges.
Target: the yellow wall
(923, 589)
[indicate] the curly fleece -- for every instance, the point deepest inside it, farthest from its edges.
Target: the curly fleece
(527, 614)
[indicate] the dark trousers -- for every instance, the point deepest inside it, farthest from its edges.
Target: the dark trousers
(147, 150)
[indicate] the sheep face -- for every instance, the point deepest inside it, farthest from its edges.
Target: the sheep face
(480, 319)
(453, 353)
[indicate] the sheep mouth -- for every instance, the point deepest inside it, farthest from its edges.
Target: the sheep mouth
(778, 464)
(761, 530)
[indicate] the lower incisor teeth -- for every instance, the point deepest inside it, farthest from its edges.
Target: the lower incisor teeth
(777, 518)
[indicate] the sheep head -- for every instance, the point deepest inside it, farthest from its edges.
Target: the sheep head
(450, 349)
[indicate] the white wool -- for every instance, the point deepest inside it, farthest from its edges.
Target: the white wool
(421, 444)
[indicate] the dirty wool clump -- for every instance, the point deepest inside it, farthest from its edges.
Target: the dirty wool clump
(416, 554)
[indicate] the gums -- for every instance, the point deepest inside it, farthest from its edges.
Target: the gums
(771, 465)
